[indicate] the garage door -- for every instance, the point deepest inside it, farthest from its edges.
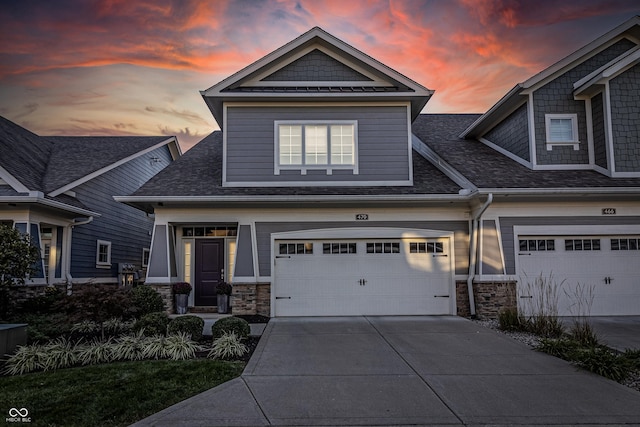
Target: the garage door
(596, 275)
(342, 277)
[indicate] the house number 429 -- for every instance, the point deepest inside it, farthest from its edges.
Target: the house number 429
(362, 217)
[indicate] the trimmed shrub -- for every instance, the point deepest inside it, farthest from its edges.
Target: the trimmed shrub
(228, 346)
(231, 324)
(146, 300)
(190, 325)
(152, 324)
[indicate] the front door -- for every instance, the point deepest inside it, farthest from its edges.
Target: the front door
(209, 270)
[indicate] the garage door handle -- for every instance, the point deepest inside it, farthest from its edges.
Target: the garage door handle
(526, 296)
(441, 296)
(283, 297)
(283, 256)
(435, 255)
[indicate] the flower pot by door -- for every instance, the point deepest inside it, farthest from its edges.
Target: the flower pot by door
(223, 303)
(181, 303)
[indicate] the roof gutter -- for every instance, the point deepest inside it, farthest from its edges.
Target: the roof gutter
(473, 253)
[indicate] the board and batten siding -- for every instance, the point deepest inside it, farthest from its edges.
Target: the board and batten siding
(127, 228)
(382, 142)
(459, 228)
(507, 233)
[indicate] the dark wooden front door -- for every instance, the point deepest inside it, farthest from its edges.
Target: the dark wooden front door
(209, 270)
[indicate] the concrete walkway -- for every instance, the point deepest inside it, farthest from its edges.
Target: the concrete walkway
(402, 371)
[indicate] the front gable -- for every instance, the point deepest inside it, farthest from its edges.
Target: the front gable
(316, 112)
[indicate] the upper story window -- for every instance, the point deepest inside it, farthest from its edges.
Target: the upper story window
(316, 145)
(562, 129)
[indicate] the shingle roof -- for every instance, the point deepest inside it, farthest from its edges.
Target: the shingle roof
(487, 168)
(199, 173)
(74, 157)
(24, 154)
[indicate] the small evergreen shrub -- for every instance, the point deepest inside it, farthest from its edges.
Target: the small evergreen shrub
(191, 325)
(231, 324)
(152, 324)
(228, 346)
(146, 300)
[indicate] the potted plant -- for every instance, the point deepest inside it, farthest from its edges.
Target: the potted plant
(223, 290)
(181, 291)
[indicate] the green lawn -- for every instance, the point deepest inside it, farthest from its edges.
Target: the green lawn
(116, 394)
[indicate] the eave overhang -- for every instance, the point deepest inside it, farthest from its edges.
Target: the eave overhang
(149, 203)
(36, 198)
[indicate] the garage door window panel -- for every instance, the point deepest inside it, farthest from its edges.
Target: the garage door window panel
(336, 248)
(295, 248)
(582, 244)
(383, 247)
(625, 244)
(529, 245)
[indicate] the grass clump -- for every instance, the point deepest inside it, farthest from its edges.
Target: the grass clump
(231, 324)
(228, 346)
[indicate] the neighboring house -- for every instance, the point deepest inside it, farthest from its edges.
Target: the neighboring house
(327, 192)
(60, 190)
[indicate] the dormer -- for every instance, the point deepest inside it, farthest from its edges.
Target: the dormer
(316, 112)
(580, 113)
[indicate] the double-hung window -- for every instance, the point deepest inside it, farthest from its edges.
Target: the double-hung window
(562, 129)
(103, 254)
(316, 145)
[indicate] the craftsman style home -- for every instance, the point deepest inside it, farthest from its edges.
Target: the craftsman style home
(60, 190)
(326, 192)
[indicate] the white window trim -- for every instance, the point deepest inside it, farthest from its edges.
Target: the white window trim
(146, 251)
(329, 168)
(575, 143)
(100, 264)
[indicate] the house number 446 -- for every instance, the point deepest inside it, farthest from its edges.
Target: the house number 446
(609, 211)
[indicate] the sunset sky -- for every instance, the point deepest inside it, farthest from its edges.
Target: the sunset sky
(135, 67)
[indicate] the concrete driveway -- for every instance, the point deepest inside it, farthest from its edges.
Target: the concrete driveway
(402, 371)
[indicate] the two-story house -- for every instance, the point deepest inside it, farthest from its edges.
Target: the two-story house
(60, 190)
(326, 192)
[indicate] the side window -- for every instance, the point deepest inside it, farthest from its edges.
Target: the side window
(561, 129)
(103, 254)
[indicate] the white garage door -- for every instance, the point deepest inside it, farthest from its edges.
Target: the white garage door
(341, 277)
(600, 272)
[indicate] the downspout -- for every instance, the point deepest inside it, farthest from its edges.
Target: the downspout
(67, 250)
(473, 253)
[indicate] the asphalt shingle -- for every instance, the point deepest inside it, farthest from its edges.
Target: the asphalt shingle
(199, 173)
(487, 168)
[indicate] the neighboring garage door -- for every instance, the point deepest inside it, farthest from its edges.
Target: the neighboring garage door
(596, 275)
(348, 277)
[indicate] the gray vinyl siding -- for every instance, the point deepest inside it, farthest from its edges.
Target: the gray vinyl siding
(625, 120)
(512, 134)
(459, 228)
(316, 66)
(128, 229)
(599, 139)
(491, 262)
(159, 253)
(244, 253)
(507, 224)
(556, 97)
(383, 143)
